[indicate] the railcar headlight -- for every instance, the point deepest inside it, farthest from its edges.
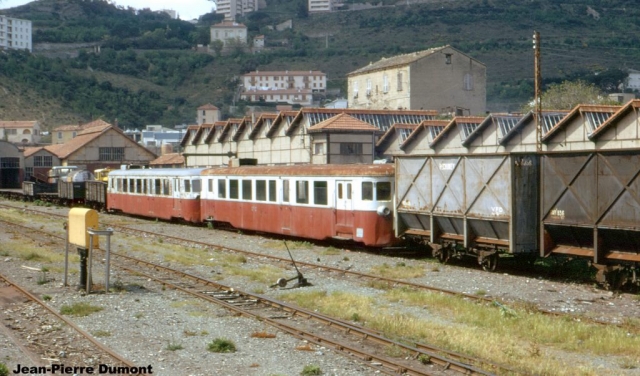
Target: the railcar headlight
(383, 211)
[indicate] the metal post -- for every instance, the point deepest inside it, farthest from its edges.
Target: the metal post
(89, 257)
(537, 95)
(106, 271)
(66, 255)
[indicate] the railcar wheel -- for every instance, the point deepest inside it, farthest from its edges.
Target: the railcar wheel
(490, 262)
(443, 255)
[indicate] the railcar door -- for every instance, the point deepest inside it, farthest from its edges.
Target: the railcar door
(344, 209)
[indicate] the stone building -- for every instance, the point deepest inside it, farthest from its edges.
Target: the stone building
(442, 79)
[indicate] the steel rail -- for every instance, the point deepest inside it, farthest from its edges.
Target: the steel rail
(391, 281)
(417, 349)
(75, 327)
(391, 365)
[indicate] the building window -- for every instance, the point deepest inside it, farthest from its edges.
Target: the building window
(468, 82)
(12, 131)
(368, 86)
(350, 148)
(399, 81)
(28, 172)
(385, 84)
(447, 58)
(111, 154)
(73, 134)
(318, 148)
(42, 161)
(355, 89)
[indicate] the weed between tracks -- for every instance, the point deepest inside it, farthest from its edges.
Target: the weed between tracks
(528, 341)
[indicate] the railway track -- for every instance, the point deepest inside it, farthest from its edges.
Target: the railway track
(325, 268)
(40, 337)
(351, 338)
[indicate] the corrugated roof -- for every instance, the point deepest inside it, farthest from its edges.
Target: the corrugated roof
(434, 126)
(344, 123)
(631, 105)
(399, 60)
(306, 170)
(266, 118)
(583, 109)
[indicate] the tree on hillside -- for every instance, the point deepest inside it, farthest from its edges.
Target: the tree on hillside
(568, 94)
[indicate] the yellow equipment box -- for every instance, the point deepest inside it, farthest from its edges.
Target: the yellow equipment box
(80, 220)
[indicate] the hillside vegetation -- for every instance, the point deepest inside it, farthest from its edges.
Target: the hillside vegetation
(147, 71)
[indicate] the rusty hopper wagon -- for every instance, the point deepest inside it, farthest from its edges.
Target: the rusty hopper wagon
(470, 189)
(590, 185)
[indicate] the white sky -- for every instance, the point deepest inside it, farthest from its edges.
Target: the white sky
(186, 9)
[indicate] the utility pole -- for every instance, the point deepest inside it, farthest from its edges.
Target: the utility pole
(537, 94)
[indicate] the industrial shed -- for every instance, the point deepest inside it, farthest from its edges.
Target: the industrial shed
(101, 147)
(11, 166)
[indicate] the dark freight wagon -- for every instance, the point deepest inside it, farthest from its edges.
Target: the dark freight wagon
(475, 204)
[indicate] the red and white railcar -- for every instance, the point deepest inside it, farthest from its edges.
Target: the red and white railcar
(312, 201)
(163, 193)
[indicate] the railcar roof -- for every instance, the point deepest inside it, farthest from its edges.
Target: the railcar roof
(346, 170)
(157, 172)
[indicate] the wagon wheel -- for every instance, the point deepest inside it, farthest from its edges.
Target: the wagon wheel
(489, 263)
(443, 255)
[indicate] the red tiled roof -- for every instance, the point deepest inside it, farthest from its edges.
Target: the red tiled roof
(284, 73)
(29, 151)
(227, 24)
(345, 123)
(18, 124)
(208, 106)
(168, 159)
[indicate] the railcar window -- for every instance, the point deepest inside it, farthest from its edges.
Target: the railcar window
(348, 191)
(340, 191)
(261, 190)
(125, 185)
(210, 185)
(157, 187)
(222, 188)
(367, 191)
(302, 192)
(144, 186)
(383, 191)
(187, 186)
(166, 187)
(138, 185)
(233, 188)
(285, 191)
(272, 191)
(120, 187)
(246, 190)
(320, 192)
(197, 185)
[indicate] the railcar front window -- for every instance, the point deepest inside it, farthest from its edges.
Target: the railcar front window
(261, 190)
(320, 192)
(272, 191)
(246, 190)
(367, 191)
(233, 189)
(222, 188)
(302, 192)
(383, 191)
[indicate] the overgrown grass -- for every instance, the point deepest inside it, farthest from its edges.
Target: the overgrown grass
(221, 345)
(79, 309)
(528, 341)
(101, 333)
(311, 370)
(398, 271)
(263, 274)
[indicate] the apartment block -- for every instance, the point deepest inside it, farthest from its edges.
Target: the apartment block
(15, 34)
